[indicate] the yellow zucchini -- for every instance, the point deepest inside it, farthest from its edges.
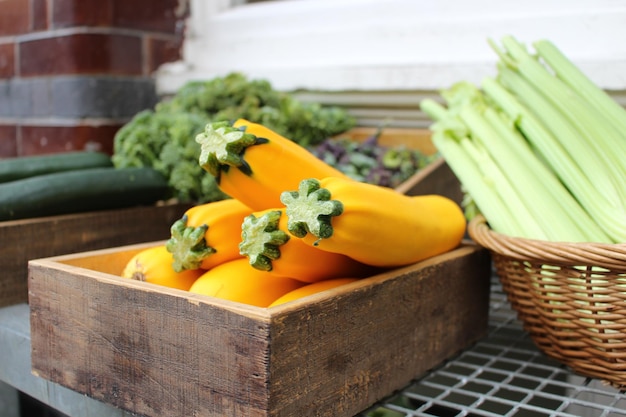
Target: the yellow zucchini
(154, 265)
(237, 281)
(254, 164)
(313, 288)
(267, 244)
(207, 235)
(373, 224)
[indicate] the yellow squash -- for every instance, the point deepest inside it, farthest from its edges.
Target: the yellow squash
(154, 265)
(373, 224)
(267, 244)
(207, 235)
(254, 164)
(313, 288)
(237, 281)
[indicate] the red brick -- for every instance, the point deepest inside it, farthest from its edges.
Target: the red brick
(161, 51)
(153, 15)
(82, 54)
(40, 15)
(68, 13)
(8, 141)
(7, 60)
(14, 17)
(37, 140)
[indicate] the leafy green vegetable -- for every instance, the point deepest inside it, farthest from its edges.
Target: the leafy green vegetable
(165, 142)
(234, 96)
(164, 138)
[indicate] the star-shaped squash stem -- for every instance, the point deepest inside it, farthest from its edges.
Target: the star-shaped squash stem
(188, 245)
(223, 146)
(262, 239)
(310, 209)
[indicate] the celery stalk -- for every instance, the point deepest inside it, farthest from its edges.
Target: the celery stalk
(493, 176)
(540, 153)
(593, 129)
(479, 176)
(516, 114)
(482, 190)
(585, 176)
(577, 80)
(540, 201)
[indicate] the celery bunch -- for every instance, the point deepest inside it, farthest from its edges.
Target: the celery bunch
(539, 148)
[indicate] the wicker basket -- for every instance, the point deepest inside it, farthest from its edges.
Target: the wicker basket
(570, 297)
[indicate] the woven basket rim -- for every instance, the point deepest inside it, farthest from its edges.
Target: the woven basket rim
(605, 255)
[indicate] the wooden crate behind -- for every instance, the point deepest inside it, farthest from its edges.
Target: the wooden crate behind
(22, 240)
(157, 351)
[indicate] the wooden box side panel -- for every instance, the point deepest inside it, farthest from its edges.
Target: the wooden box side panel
(342, 354)
(149, 351)
(23, 240)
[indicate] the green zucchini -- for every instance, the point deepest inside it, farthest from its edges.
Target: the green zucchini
(19, 167)
(80, 191)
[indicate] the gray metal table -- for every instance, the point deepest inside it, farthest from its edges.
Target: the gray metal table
(503, 374)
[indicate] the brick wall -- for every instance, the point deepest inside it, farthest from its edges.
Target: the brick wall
(72, 72)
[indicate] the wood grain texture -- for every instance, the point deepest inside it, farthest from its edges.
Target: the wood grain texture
(157, 351)
(341, 354)
(22, 240)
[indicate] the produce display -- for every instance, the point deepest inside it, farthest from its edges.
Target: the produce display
(539, 148)
(293, 222)
(162, 140)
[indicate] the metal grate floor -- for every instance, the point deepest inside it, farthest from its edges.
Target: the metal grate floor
(503, 374)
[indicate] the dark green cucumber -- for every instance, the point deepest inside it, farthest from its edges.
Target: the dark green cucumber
(19, 167)
(80, 191)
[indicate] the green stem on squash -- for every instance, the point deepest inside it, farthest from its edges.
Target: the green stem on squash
(262, 239)
(222, 146)
(310, 209)
(188, 245)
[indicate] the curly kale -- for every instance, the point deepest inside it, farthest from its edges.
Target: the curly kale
(164, 138)
(165, 142)
(225, 98)
(234, 96)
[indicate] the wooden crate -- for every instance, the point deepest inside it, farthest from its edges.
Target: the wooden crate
(157, 351)
(22, 240)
